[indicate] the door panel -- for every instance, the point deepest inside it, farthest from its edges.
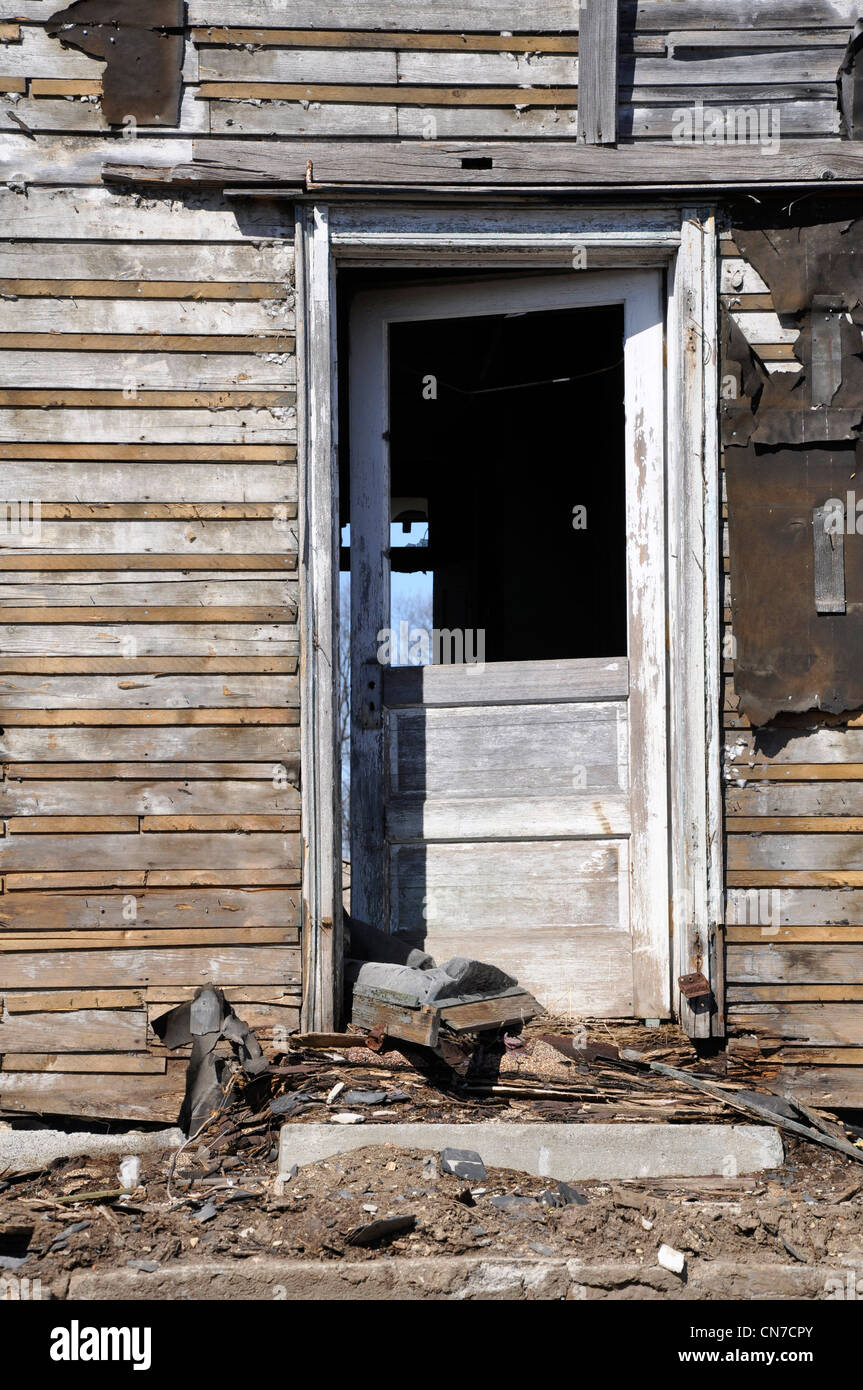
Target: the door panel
(510, 750)
(561, 905)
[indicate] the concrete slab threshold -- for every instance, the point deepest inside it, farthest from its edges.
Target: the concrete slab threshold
(30, 1148)
(571, 1152)
(464, 1278)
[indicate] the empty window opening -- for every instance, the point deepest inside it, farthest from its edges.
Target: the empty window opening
(507, 486)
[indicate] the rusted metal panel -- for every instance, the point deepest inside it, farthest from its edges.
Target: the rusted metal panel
(143, 50)
(790, 657)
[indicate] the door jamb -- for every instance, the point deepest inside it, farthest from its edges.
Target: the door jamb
(685, 240)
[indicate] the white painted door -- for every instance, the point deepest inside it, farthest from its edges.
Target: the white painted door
(516, 810)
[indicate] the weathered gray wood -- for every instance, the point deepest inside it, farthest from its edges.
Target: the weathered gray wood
(440, 162)
(157, 261)
(148, 371)
(726, 68)
(61, 115)
(787, 965)
(21, 853)
(254, 425)
(484, 123)
(38, 588)
(571, 954)
(795, 852)
(825, 1086)
(137, 1098)
(299, 65)
(41, 314)
(497, 886)
(795, 907)
(321, 757)
(824, 745)
(694, 751)
(99, 214)
(597, 80)
(479, 15)
(523, 70)
(829, 563)
(84, 1030)
(146, 692)
(532, 17)
(663, 15)
(227, 908)
(269, 745)
(218, 965)
(506, 818)
(828, 1023)
(159, 537)
(507, 682)
(278, 117)
(643, 122)
(129, 482)
(530, 750)
(226, 639)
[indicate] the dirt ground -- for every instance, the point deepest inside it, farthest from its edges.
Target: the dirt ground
(810, 1211)
(216, 1198)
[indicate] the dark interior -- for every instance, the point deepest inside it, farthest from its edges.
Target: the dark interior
(499, 427)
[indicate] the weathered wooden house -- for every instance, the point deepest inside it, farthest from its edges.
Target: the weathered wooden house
(572, 290)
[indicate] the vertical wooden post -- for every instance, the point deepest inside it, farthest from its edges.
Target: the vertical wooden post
(319, 621)
(597, 72)
(695, 646)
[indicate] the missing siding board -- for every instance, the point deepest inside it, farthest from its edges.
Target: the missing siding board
(142, 79)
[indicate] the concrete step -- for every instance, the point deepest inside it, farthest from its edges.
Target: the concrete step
(574, 1153)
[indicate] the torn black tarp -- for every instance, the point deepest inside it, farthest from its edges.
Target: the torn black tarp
(204, 1021)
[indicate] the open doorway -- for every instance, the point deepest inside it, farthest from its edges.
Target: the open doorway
(494, 502)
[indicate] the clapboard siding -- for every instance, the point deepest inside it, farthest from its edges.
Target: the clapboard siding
(148, 640)
(418, 71)
(148, 403)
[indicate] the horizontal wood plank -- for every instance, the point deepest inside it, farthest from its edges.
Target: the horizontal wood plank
(234, 965)
(224, 909)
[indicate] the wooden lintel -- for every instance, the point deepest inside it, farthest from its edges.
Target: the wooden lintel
(304, 165)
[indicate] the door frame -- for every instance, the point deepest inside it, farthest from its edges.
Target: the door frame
(639, 294)
(683, 240)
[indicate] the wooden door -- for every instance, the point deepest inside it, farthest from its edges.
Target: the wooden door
(516, 810)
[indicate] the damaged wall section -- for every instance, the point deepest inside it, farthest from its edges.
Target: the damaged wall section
(792, 444)
(792, 418)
